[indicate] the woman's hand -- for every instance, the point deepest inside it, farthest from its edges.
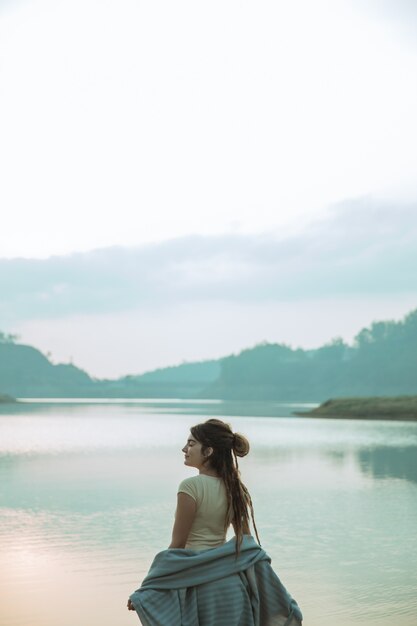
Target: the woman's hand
(130, 605)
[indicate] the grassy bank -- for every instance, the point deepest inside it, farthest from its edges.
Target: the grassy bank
(5, 399)
(381, 408)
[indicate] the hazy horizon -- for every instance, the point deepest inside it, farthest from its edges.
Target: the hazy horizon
(122, 310)
(18, 340)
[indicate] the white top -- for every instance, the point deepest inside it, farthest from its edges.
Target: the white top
(209, 493)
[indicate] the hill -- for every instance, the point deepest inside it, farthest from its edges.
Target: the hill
(26, 373)
(381, 362)
(181, 381)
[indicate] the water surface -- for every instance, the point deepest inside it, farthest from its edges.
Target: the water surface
(87, 497)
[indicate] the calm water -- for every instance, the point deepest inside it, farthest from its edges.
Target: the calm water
(88, 491)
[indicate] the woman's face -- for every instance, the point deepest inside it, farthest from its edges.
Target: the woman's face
(193, 456)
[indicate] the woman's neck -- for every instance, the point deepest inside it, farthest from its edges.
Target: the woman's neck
(207, 472)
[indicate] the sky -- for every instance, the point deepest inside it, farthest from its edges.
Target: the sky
(179, 181)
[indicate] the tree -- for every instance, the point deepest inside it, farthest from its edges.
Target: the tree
(8, 338)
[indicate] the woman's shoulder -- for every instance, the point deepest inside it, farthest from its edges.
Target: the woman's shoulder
(197, 484)
(191, 486)
(200, 478)
(191, 480)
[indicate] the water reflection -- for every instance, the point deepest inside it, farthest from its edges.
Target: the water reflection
(389, 462)
(159, 406)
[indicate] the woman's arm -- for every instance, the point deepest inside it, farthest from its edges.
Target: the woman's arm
(184, 517)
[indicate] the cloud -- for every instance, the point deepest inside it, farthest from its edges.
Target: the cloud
(362, 247)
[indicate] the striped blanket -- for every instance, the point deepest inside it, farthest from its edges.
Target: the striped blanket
(214, 588)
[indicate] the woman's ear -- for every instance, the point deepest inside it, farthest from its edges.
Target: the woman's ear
(208, 452)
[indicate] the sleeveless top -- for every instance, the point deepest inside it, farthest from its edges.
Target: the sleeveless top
(209, 493)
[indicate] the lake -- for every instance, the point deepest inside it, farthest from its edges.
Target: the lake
(88, 493)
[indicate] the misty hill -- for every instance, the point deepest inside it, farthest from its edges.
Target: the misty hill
(181, 381)
(26, 373)
(381, 362)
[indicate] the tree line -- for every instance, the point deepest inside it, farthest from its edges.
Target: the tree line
(381, 361)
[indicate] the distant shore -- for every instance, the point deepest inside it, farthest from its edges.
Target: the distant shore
(5, 399)
(377, 408)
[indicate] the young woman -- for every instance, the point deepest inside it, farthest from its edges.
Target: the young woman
(202, 580)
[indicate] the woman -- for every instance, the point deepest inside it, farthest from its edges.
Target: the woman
(202, 580)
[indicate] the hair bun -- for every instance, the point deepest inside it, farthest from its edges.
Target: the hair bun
(240, 445)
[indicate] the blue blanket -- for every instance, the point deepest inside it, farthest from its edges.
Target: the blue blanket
(214, 588)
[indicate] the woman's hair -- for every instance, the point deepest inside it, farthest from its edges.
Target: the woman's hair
(227, 446)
